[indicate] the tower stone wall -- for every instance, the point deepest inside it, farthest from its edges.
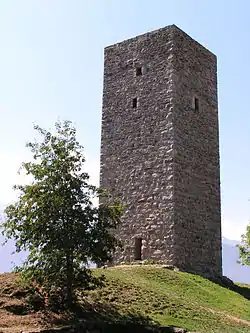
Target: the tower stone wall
(160, 149)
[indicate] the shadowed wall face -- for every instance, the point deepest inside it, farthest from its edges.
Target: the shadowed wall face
(196, 160)
(160, 149)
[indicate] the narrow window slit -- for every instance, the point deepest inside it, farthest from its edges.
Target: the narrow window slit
(134, 102)
(138, 71)
(196, 104)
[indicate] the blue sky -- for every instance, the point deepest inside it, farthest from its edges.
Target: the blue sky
(51, 65)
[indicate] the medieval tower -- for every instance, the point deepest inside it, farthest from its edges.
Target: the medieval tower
(160, 149)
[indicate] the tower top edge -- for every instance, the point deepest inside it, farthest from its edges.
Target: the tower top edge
(167, 29)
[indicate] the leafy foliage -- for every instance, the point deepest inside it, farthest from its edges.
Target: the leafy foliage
(54, 217)
(244, 248)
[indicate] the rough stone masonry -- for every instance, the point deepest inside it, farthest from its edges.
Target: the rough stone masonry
(160, 149)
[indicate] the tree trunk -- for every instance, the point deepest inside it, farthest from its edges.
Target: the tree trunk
(69, 281)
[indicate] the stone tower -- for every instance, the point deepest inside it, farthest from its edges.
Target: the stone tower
(160, 149)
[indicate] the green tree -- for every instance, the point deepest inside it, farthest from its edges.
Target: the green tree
(54, 217)
(244, 248)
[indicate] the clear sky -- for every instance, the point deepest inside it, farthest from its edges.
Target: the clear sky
(51, 65)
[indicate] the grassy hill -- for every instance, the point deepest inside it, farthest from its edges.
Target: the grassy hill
(141, 295)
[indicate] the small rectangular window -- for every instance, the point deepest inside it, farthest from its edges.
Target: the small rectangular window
(134, 102)
(196, 104)
(138, 71)
(138, 246)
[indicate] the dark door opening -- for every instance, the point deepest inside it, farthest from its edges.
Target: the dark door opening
(138, 246)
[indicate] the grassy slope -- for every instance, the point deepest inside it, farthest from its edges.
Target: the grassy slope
(146, 292)
(175, 298)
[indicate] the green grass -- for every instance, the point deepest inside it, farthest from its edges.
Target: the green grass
(171, 298)
(135, 299)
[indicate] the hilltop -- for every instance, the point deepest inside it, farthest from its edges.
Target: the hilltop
(141, 296)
